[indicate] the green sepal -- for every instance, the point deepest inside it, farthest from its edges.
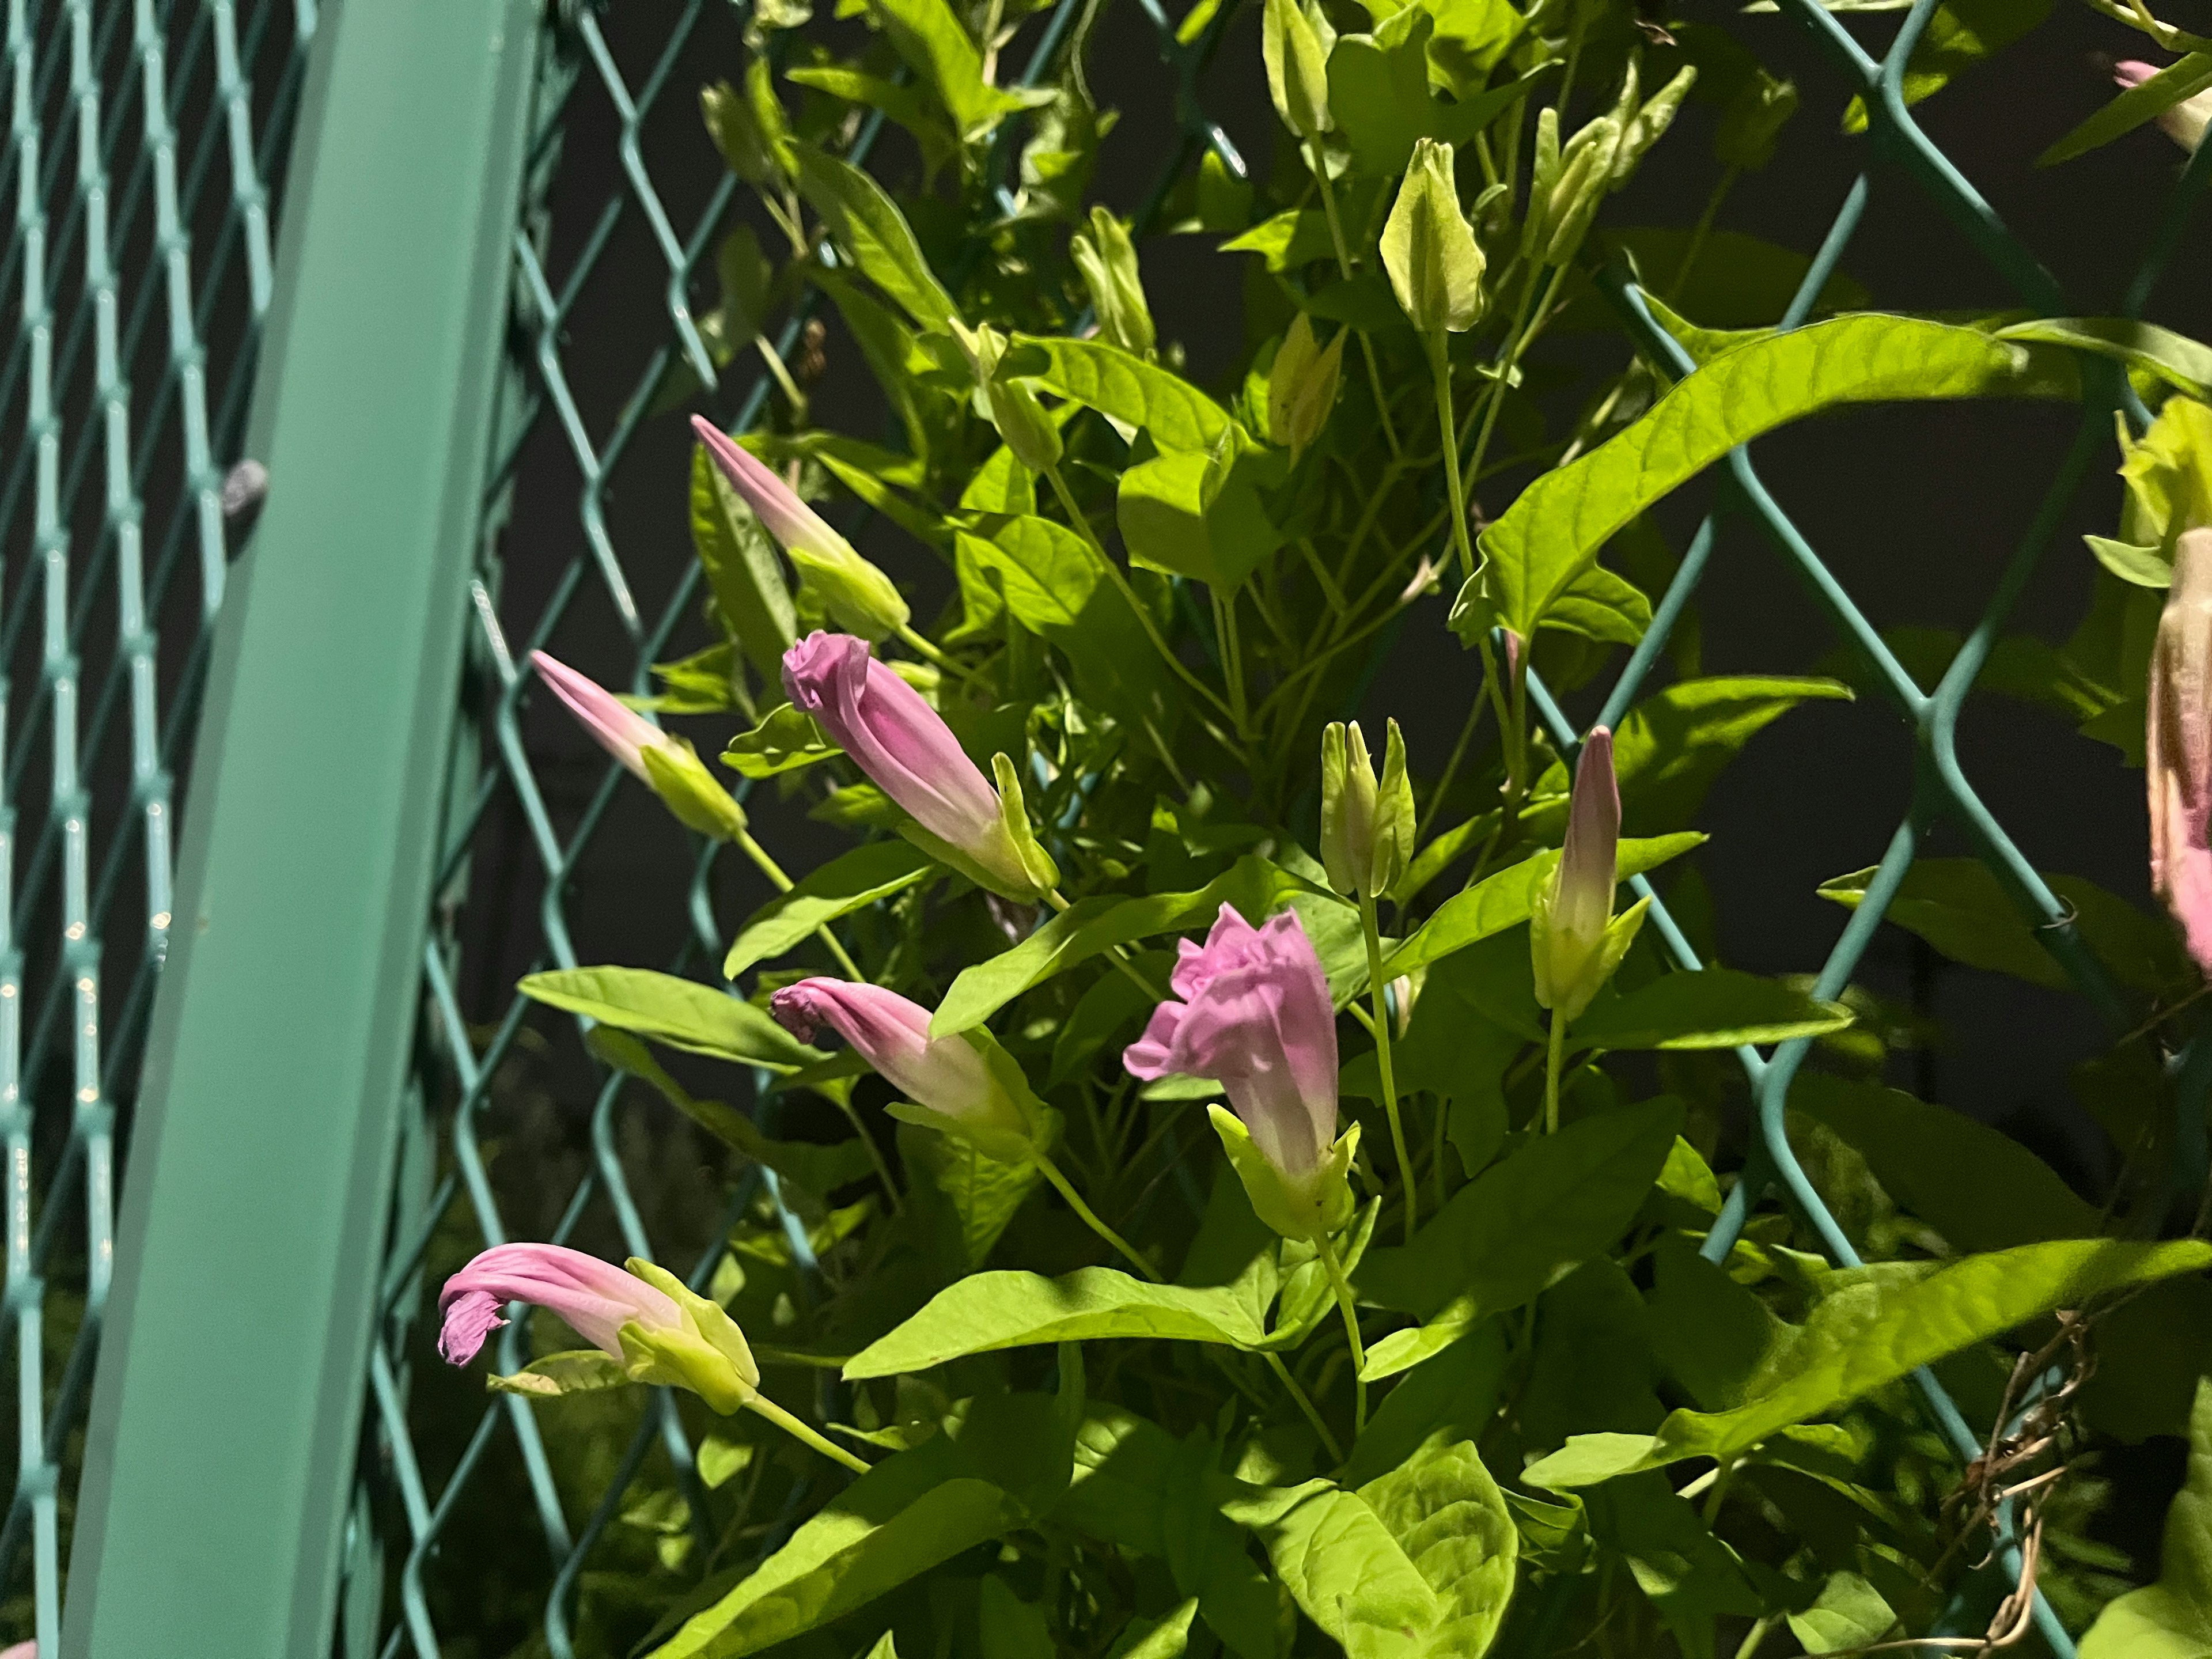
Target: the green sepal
(1568, 1000)
(1302, 386)
(1000, 1144)
(1013, 813)
(859, 598)
(689, 790)
(1314, 1210)
(707, 1354)
(1297, 59)
(1394, 824)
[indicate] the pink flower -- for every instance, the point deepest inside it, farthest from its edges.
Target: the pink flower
(2184, 123)
(1256, 1017)
(21, 1650)
(907, 751)
(945, 1074)
(620, 729)
(596, 1297)
(2177, 746)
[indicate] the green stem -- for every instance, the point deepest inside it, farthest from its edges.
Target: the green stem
(1755, 1637)
(1320, 166)
(1232, 662)
(930, 651)
(792, 394)
(1081, 524)
(1555, 1051)
(769, 867)
(1345, 1305)
(799, 1430)
(1305, 1404)
(1368, 925)
(1440, 371)
(1050, 1171)
(1116, 954)
(1458, 754)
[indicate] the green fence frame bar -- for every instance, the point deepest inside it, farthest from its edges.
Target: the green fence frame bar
(227, 1404)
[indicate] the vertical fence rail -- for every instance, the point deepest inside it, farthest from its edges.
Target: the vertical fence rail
(220, 1440)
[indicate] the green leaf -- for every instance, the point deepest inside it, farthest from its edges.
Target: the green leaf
(2172, 1619)
(1346, 1571)
(1447, 1515)
(1450, 1397)
(868, 225)
(1056, 584)
(1091, 927)
(1518, 1228)
(928, 35)
(1008, 1627)
(881, 1531)
(1688, 1575)
(2180, 362)
(580, 1371)
(680, 1013)
(849, 883)
(2140, 567)
(1855, 1343)
(1738, 281)
(1006, 1310)
(1296, 237)
(1378, 91)
(2176, 83)
(787, 740)
(1111, 1006)
(819, 1169)
(1961, 34)
(1503, 901)
(1553, 530)
(1671, 746)
(1977, 1185)
(1848, 1614)
(902, 101)
(742, 571)
(1716, 1008)
(1713, 1335)
(1602, 606)
(1959, 907)
(961, 1199)
(1137, 394)
(1164, 1637)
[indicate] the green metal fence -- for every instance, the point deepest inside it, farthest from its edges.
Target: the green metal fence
(312, 1127)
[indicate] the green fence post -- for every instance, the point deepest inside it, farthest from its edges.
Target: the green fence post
(227, 1403)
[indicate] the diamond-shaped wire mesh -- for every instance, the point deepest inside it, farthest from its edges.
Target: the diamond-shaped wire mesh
(546, 846)
(146, 146)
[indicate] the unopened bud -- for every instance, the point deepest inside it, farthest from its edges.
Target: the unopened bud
(1435, 265)
(1574, 941)
(1366, 830)
(1752, 123)
(1650, 121)
(1567, 186)
(1302, 386)
(1008, 403)
(1107, 261)
(1297, 66)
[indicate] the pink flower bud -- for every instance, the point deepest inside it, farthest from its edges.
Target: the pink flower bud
(775, 504)
(945, 1074)
(620, 729)
(596, 1297)
(1575, 942)
(2177, 746)
(2184, 123)
(1254, 1015)
(908, 752)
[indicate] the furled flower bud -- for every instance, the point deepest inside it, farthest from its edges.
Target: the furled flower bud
(1251, 1010)
(1297, 66)
(1302, 386)
(646, 1318)
(665, 763)
(2178, 748)
(859, 598)
(1574, 941)
(1107, 261)
(1008, 401)
(1435, 265)
(965, 1084)
(1366, 832)
(1566, 186)
(2184, 123)
(910, 754)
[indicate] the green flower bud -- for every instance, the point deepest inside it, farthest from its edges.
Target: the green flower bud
(1297, 66)
(1650, 121)
(1435, 265)
(1574, 941)
(1302, 386)
(1566, 186)
(706, 1353)
(1107, 261)
(1009, 404)
(682, 781)
(1751, 123)
(1366, 832)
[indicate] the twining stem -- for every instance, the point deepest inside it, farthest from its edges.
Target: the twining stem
(1081, 524)
(1118, 956)
(799, 1430)
(1319, 164)
(1440, 371)
(1306, 1404)
(769, 867)
(1554, 1052)
(1368, 925)
(792, 394)
(1458, 754)
(1050, 1171)
(1345, 1305)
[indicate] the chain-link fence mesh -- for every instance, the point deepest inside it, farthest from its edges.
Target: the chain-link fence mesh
(146, 146)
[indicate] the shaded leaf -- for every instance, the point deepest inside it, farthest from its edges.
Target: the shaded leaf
(1716, 1008)
(680, 1013)
(848, 883)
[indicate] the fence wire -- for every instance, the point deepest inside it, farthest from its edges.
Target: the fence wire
(146, 144)
(528, 819)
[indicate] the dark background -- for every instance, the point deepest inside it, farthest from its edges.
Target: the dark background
(1915, 508)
